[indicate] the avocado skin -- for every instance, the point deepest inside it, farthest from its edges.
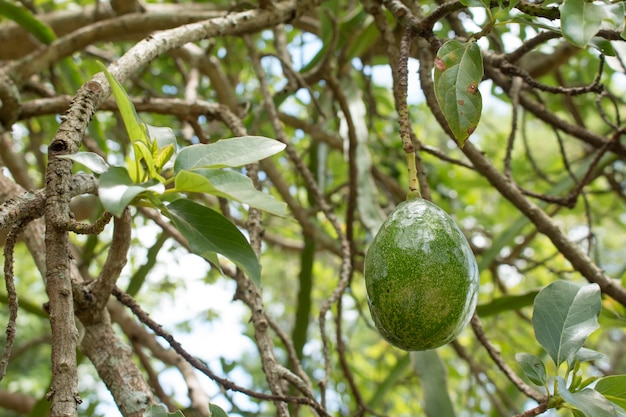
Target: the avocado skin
(421, 277)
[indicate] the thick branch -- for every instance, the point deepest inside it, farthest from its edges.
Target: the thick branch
(114, 362)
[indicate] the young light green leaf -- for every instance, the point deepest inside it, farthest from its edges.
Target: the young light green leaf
(458, 71)
(144, 153)
(161, 411)
(208, 232)
(580, 20)
(533, 368)
(163, 144)
(432, 374)
(614, 389)
(91, 160)
(135, 128)
(564, 315)
(589, 401)
(234, 152)
(228, 184)
(162, 135)
(216, 411)
(116, 189)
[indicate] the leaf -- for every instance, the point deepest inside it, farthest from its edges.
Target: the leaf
(228, 184)
(392, 376)
(368, 205)
(144, 153)
(506, 303)
(161, 411)
(533, 368)
(164, 144)
(162, 135)
(23, 17)
(208, 232)
(474, 3)
(136, 129)
(564, 315)
(589, 401)
(234, 152)
(587, 355)
(614, 389)
(432, 374)
(614, 15)
(116, 189)
(580, 21)
(458, 71)
(216, 411)
(91, 160)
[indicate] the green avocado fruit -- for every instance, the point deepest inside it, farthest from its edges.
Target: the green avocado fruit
(421, 277)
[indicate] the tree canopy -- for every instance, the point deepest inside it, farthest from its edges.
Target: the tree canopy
(159, 158)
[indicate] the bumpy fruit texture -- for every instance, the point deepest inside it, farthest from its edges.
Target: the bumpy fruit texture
(421, 277)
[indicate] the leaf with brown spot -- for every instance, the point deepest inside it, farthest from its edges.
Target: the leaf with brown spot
(458, 71)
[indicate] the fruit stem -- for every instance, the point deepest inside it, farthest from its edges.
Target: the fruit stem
(400, 92)
(414, 191)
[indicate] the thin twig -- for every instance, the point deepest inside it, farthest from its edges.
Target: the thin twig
(129, 302)
(500, 362)
(9, 280)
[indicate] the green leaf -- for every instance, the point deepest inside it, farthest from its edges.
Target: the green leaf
(136, 129)
(28, 21)
(116, 189)
(506, 303)
(41, 407)
(472, 3)
(564, 315)
(587, 355)
(91, 160)
(216, 411)
(392, 376)
(580, 21)
(208, 232)
(139, 276)
(614, 15)
(458, 71)
(589, 401)
(228, 184)
(614, 389)
(533, 368)
(234, 152)
(366, 38)
(161, 411)
(432, 374)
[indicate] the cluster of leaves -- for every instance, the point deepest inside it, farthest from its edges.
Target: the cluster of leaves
(196, 169)
(565, 314)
